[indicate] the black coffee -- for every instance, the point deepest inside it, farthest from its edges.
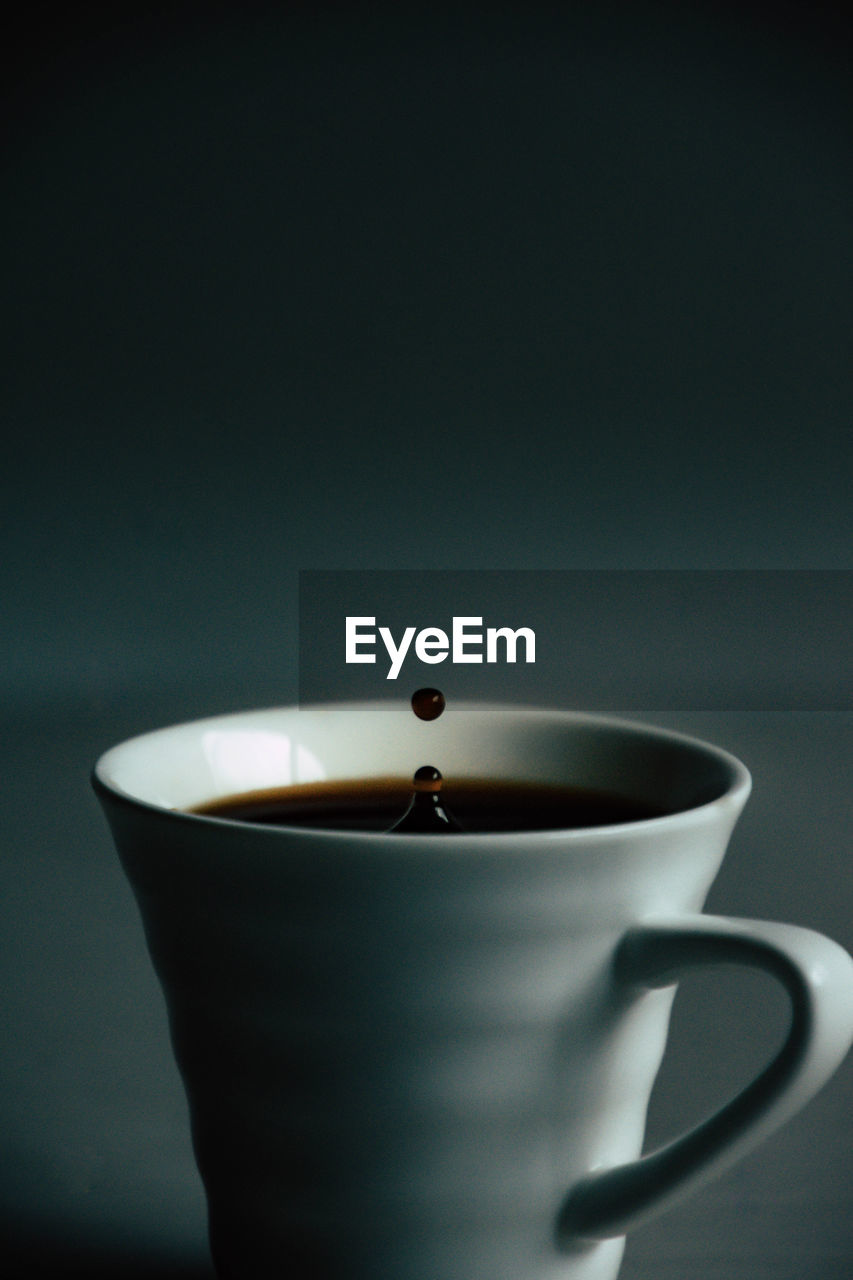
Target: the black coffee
(427, 814)
(478, 805)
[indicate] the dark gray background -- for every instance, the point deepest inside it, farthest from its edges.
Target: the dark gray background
(603, 640)
(508, 286)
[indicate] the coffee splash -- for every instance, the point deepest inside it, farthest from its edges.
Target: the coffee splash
(426, 814)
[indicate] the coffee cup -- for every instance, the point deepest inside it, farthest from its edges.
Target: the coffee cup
(426, 1056)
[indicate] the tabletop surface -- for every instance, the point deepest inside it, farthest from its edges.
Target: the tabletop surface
(542, 285)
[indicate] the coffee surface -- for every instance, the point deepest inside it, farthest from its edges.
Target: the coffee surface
(477, 805)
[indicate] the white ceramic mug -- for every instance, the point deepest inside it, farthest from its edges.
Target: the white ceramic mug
(430, 1057)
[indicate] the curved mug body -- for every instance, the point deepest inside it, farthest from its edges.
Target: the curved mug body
(426, 1057)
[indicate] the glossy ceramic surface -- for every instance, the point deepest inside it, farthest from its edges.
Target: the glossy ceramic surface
(425, 1058)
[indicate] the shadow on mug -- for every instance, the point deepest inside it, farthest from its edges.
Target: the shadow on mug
(431, 1056)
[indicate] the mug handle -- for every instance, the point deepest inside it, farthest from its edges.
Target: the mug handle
(818, 977)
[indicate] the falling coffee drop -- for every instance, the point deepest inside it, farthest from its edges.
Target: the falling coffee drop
(428, 704)
(426, 815)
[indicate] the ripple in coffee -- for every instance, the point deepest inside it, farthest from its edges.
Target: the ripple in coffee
(476, 804)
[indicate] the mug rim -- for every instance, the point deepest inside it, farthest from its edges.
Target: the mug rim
(730, 799)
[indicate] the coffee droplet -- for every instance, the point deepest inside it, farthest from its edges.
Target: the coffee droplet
(427, 779)
(428, 704)
(426, 815)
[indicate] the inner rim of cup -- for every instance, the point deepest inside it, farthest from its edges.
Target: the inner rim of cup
(192, 764)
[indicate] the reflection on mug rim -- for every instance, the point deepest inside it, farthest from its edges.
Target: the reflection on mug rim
(733, 790)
